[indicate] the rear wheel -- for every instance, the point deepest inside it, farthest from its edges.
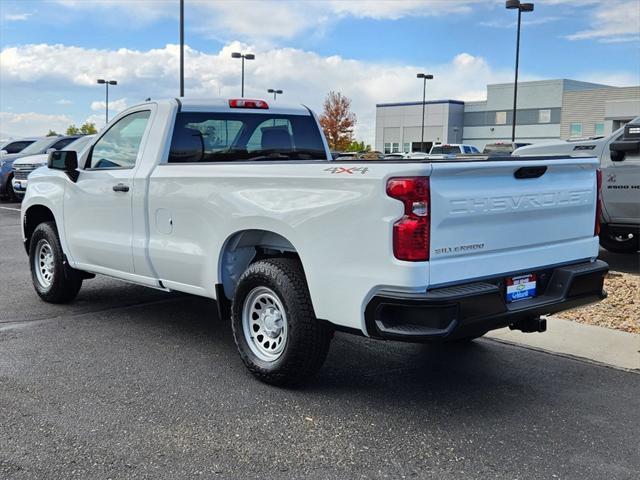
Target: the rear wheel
(53, 279)
(275, 329)
(619, 241)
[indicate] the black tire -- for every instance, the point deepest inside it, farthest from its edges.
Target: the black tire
(307, 340)
(63, 281)
(618, 241)
(10, 195)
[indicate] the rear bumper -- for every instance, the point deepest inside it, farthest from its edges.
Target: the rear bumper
(473, 308)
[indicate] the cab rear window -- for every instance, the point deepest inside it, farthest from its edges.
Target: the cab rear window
(223, 137)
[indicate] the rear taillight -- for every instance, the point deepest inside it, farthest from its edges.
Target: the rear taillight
(247, 103)
(411, 233)
(596, 229)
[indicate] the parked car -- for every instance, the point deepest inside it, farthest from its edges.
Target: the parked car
(502, 148)
(212, 198)
(22, 167)
(619, 155)
(8, 147)
(452, 148)
(38, 147)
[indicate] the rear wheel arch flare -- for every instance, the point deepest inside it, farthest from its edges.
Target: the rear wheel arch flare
(245, 246)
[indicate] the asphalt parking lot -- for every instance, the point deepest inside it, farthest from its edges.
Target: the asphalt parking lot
(129, 382)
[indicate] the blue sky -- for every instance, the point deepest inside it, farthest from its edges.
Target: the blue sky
(52, 51)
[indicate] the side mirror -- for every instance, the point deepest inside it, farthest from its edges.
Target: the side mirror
(65, 160)
(616, 155)
(3, 153)
(49, 150)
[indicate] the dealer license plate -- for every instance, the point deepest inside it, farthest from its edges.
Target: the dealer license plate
(521, 287)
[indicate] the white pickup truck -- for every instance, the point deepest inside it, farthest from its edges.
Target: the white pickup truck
(240, 202)
(619, 155)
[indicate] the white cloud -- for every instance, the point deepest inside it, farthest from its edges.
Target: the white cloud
(305, 77)
(17, 17)
(265, 20)
(613, 21)
(32, 123)
(115, 106)
(64, 101)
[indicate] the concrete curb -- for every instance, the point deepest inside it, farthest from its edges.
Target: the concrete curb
(602, 345)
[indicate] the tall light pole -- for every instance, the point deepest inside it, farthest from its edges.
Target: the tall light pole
(275, 92)
(243, 56)
(521, 7)
(424, 77)
(106, 83)
(182, 48)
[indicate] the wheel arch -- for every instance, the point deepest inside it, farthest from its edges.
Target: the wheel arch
(34, 216)
(243, 247)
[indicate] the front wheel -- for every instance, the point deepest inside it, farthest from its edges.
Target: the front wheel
(274, 326)
(53, 279)
(619, 241)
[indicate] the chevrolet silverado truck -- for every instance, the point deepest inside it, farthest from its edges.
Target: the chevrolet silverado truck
(241, 202)
(619, 155)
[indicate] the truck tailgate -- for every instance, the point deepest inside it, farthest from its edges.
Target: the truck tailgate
(493, 217)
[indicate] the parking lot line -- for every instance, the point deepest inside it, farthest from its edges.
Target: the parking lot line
(11, 208)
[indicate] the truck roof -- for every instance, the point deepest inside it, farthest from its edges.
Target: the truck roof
(219, 104)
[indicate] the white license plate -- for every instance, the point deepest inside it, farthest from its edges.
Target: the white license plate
(521, 287)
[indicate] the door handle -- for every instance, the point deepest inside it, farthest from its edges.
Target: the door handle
(120, 187)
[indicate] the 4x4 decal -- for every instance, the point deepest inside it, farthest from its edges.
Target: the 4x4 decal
(349, 171)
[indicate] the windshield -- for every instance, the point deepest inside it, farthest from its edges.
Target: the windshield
(224, 137)
(80, 143)
(39, 146)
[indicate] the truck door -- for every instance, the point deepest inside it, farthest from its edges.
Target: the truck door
(97, 208)
(621, 186)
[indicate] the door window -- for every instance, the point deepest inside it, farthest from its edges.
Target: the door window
(118, 148)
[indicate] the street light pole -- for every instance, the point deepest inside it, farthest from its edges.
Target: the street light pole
(275, 92)
(182, 48)
(521, 7)
(424, 77)
(106, 83)
(243, 56)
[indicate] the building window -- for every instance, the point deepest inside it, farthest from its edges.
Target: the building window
(501, 118)
(600, 129)
(406, 147)
(387, 148)
(544, 116)
(396, 148)
(575, 129)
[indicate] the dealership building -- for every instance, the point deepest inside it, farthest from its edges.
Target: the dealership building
(547, 110)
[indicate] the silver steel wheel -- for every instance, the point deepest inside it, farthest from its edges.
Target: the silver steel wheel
(43, 263)
(264, 323)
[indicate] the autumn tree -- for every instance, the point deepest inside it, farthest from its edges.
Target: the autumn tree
(357, 146)
(52, 133)
(337, 121)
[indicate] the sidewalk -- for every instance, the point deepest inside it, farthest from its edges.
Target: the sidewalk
(603, 345)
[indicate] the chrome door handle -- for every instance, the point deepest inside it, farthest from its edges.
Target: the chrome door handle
(120, 187)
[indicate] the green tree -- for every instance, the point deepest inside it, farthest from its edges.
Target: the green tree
(52, 133)
(72, 130)
(88, 128)
(357, 146)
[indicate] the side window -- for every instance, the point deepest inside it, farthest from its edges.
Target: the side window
(62, 143)
(16, 147)
(118, 148)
